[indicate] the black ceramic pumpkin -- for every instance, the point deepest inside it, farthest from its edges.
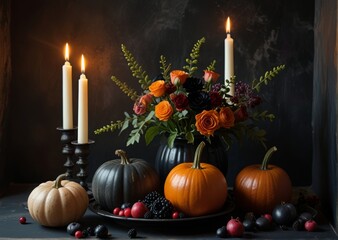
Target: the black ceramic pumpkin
(123, 180)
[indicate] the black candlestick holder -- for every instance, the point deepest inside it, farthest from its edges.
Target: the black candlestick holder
(82, 152)
(67, 137)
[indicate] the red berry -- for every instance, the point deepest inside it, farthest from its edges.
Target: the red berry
(127, 212)
(310, 225)
(121, 213)
(235, 228)
(116, 211)
(138, 210)
(268, 216)
(22, 220)
(176, 215)
(78, 234)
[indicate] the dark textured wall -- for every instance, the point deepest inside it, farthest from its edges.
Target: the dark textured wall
(325, 106)
(5, 77)
(266, 34)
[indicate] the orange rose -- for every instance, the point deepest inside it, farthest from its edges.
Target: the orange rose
(226, 117)
(157, 88)
(210, 76)
(178, 76)
(163, 111)
(207, 122)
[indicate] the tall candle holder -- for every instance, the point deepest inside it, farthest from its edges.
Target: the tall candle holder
(67, 137)
(82, 152)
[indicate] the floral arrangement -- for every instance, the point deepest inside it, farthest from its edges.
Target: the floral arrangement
(178, 104)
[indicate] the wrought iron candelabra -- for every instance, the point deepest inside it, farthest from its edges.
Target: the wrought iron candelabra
(67, 137)
(82, 153)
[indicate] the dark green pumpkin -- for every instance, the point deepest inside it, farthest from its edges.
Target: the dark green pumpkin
(123, 181)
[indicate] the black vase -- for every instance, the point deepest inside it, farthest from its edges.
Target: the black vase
(214, 153)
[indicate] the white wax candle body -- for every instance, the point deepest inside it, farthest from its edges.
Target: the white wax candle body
(67, 97)
(82, 134)
(229, 61)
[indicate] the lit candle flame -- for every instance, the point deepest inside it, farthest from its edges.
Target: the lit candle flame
(227, 27)
(66, 52)
(82, 64)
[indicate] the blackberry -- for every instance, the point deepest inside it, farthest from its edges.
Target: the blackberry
(151, 197)
(182, 215)
(85, 233)
(298, 225)
(161, 208)
(91, 231)
(132, 233)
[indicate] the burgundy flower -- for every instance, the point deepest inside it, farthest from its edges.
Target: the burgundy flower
(254, 101)
(180, 100)
(170, 88)
(241, 114)
(215, 99)
(244, 95)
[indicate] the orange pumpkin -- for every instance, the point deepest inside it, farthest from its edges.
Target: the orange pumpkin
(196, 188)
(259, 188)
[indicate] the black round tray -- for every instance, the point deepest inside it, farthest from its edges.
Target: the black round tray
(155, 223)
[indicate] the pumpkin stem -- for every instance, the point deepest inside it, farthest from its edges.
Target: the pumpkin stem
(197, 157)
(123, 155)
(57, 182)
(267, 157)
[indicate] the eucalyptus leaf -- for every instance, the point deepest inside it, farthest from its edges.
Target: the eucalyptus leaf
(171, 139)
(151, 133)
(124, 126)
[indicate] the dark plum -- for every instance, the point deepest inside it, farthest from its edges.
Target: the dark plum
(73, 227)
(284, 214)
(263, 224)
(101, 231)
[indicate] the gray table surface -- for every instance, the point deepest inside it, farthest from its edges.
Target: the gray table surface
(13, 206)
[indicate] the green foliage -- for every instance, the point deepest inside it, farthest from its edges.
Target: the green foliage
(140, 125)
(244, 131)
(136, 69)
(212, 65)
(113, 126)
(193, 60)
(263, 116)
(268, 76)
(165, 68)
(125, 88)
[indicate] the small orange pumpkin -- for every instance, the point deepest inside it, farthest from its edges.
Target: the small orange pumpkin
(196, 188)
(259, 188)
(57, 203)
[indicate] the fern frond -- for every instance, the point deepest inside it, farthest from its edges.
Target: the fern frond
(136, 70)
(125, 88)
(256, 84)
(165, 68)
(211, 66)
(191, 66)
(113, 126)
